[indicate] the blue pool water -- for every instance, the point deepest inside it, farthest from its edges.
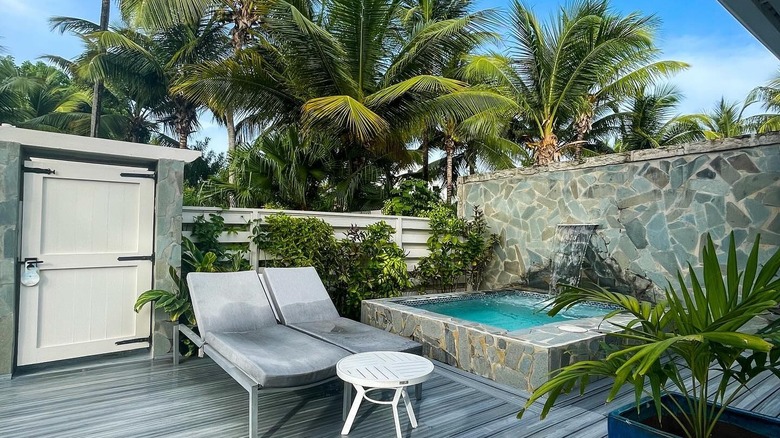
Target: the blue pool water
(509, 311)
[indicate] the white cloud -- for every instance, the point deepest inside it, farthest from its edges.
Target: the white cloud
(718, 68)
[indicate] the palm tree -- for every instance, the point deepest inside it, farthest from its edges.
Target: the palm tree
(561, 72)
(97, 92)
(146, 67)
(648, 121)
(769, 96)
(350, 77)
(727, 119)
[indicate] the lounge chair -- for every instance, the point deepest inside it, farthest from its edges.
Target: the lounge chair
(240, 333)
(301, 302)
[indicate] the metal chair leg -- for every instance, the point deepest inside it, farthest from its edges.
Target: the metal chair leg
(253, 399)
(418, 391)
(175, 341)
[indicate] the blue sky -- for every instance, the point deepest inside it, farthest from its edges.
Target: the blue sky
(725, 59)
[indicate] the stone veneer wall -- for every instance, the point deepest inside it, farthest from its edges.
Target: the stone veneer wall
(652, 206)
(167, 243)
(10, 172)
(522, 359)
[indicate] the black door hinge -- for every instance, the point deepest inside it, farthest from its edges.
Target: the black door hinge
(134, 258)
(39, 170)
(134, 341)
(139, 175)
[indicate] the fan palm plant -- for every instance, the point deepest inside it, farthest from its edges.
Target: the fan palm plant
(702, 327)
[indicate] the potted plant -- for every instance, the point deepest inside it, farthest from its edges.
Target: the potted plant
(701, 330)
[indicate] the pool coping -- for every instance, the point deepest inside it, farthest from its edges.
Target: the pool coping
(521, 358)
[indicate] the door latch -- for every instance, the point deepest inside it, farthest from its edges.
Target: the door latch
(30, 275)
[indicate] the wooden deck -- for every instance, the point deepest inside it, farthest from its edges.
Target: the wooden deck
(154, 399)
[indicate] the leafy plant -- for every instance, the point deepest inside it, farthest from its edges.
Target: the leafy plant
(294, 241)
(366, 264)
(412, 197)
(458, 249)
(700, 328)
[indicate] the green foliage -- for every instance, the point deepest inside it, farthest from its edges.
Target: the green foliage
(294, 241)
(412, 197)
(458, 248)
(366, 264)
(700, 327)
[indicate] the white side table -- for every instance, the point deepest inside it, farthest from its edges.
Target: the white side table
(382, 370)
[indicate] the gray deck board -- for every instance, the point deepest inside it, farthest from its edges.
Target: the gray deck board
(198, 399)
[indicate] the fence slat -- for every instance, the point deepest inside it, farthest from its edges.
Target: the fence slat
(411, 232)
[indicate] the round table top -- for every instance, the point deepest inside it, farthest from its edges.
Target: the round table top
(384, 369)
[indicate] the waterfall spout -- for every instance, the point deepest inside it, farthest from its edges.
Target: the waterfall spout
(571, 242)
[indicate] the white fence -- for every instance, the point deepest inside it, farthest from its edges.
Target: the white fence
(411, 233)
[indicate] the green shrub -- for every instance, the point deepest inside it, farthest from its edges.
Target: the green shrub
(366, 264)
(412, 197)
(295, 241)
(459, 249)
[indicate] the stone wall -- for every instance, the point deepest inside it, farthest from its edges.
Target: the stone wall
(652, 207)
(167, 243)
(10, 168)
(521, 358)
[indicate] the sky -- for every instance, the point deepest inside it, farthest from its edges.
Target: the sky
(726, 60)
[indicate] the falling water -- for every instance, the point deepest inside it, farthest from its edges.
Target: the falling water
(571, 242)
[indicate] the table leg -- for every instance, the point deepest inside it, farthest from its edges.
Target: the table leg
(409, 409)
(396, 397)
(347, 401)
(353, 412)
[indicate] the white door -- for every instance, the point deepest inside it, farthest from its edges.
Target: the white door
(80, 221)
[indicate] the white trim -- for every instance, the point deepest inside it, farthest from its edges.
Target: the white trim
(56, 142)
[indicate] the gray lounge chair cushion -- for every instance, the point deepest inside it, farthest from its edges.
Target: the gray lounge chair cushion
(229, 302)
(299, 295)
(356, 337)
(301, 302)
(278, 356)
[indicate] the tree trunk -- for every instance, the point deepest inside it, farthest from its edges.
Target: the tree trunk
(97, 91)
(449, 149)
(183, 139)
(230, 124)
(426, 157)
(546, 151)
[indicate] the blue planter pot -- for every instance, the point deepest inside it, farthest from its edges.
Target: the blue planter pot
(626, 422)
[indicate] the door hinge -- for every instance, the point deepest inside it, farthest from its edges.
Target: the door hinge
(134, 341)
(152, 175)
(134, 258)
(39, 170)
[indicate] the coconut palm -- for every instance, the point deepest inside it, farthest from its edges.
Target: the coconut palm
(97, 91)
(649, 120)
(560, 73)
(769, 96)
(352, 77)
(727, 119)
(145, 67)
